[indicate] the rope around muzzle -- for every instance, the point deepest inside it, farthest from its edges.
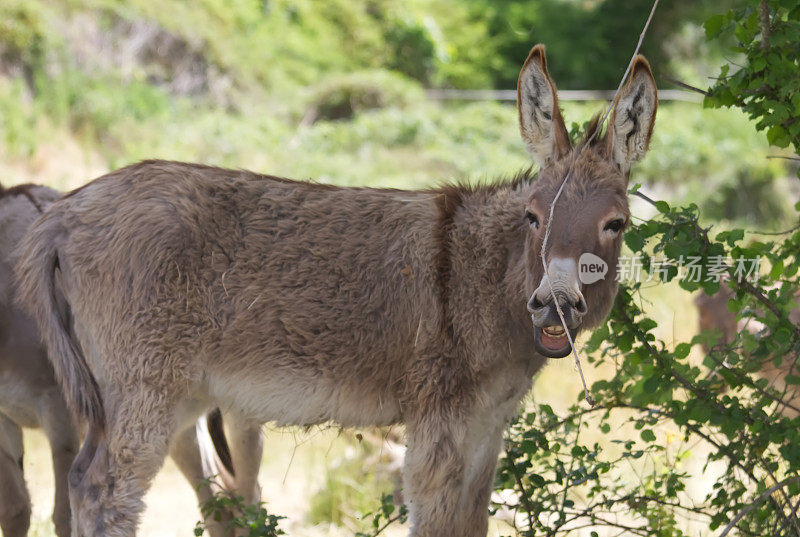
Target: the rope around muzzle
(543, 254)
(586, 394)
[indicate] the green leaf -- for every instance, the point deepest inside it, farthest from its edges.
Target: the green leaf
(537, 480)
(777, 270)
(634, 240)
(647, 324)
(742, 33)
(734, 236)
(648, 435)
(776, 135)
(662, 206)
(682, 350)
(714, 25)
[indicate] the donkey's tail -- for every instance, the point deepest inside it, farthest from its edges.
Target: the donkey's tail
(215, 453)
(42, 298)
(216, 431)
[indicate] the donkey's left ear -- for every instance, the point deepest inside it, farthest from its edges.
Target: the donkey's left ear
(634, 114)
(540, 121)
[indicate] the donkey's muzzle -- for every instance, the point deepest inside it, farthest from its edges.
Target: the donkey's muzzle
(552, 341)
(549, 336)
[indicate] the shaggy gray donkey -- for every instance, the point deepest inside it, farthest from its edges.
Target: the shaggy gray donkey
(164, 289)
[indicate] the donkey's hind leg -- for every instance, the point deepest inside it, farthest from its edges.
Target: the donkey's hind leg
(185, 450)
(62, 435)
(15, 504)
(247, 447)
(118, 461)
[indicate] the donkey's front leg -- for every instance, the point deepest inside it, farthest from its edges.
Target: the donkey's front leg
(433, 475)
(449, 467)
(482, 449)
(449, 470)
(186, 452)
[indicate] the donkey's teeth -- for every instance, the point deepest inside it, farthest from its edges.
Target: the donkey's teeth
(553, 330)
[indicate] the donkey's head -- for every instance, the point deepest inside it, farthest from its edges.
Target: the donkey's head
(591, 212)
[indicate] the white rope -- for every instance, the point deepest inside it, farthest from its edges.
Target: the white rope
(586, 394)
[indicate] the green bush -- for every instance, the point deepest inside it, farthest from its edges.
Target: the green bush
(350, 489)
(253, 518)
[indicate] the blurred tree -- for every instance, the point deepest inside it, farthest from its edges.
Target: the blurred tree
(767, 86)
(589, 41)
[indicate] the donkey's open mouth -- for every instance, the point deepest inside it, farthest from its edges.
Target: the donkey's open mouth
(552, 342)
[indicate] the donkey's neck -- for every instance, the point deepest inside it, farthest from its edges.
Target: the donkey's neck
(489, 282)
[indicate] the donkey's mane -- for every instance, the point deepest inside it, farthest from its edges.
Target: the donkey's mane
(21, 190)
(15, 190)
(458, 188)
(588, 136)
(448, 198)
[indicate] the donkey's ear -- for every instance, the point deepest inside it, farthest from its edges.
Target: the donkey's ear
(540, 120)
(634, 114)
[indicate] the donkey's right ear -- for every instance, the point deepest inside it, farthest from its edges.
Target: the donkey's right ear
(540, 120)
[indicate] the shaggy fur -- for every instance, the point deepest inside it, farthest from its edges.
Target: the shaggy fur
(190, 286)
(31, 397)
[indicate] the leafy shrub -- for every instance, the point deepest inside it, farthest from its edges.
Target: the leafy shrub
(18, 132)
(352, 483)
(562, 478)
(412, 50)
(387, 514)
(767, 86)
(254, 518)
(22, 34)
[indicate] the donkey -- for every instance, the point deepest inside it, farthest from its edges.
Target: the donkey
(29, 394)
(31, 397)
(713, 314)
(163, 289)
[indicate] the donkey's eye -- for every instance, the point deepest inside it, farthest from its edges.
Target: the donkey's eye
(615, 225)
(532, 219)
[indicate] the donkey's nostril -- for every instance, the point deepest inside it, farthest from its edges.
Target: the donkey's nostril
(534, 303)
(580, 305)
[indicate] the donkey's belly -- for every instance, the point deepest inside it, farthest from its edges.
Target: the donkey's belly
(291, 399)
(18, 401)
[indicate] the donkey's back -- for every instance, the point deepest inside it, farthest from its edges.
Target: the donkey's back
(242, 284)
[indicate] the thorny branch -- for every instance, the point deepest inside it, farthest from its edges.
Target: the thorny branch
(525, 497)
(765, 30)
(766, 494)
